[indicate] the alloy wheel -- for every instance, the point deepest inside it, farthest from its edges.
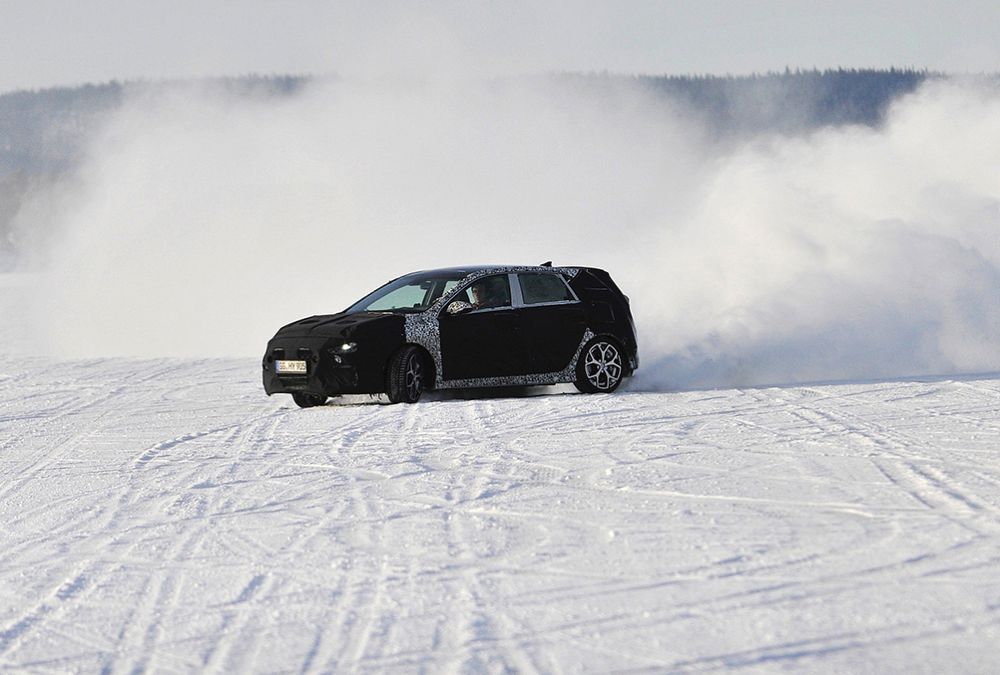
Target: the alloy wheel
(603, 365)
(414, 381)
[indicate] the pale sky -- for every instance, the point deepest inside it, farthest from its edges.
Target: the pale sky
(65, 42)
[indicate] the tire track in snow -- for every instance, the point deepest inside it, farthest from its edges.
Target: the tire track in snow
(81, 518)
(472, 637)
(47, 454)
(365, 479)
(161, 601)
(132, 503)
(46, 610)
(377, 620)
(9, 635)
(806, 654)
(237, 644)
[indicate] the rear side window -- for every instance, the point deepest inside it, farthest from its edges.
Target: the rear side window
(539, 288)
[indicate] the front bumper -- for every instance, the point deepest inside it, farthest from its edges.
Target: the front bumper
(326, 374)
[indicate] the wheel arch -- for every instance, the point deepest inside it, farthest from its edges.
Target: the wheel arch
(424, 354)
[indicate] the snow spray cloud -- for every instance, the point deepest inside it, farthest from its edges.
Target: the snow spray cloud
(850, 254)
(204, 223)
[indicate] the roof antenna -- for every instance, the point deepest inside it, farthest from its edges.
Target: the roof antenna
(546, 264)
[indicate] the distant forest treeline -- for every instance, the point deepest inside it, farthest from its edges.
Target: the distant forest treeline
(43, 133)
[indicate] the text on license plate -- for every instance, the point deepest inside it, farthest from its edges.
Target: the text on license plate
(290, 367)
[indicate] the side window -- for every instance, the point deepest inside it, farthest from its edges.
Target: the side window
(538, 288)
(490, 292)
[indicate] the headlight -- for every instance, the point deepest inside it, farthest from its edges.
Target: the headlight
(344, 348)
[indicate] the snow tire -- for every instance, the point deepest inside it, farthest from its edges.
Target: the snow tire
(306, 400)
(405, 375)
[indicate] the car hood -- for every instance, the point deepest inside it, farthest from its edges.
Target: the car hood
(341, 325)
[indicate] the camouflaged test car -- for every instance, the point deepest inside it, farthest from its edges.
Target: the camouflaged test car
(462, 327)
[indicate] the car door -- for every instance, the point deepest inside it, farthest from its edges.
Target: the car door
(552, 320)
(483, 342)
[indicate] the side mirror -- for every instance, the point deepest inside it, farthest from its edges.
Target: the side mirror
(458, 306)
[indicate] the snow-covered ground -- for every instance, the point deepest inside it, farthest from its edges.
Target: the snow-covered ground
(166, 515)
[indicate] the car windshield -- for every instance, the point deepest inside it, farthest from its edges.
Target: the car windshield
(412, 293)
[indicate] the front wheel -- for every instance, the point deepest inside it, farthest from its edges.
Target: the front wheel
(600, 368)
(304, 400)
(405, 375)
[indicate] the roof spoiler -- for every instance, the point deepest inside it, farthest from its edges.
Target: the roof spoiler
(546, 264)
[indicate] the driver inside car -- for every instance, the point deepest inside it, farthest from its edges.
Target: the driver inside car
(490, 292)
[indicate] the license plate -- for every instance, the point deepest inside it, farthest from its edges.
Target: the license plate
(298, 367)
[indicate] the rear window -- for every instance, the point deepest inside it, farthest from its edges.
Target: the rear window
(539, 288)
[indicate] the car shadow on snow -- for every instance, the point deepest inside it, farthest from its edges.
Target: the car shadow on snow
(484, 393)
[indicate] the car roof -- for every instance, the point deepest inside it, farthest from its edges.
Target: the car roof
(478, 269)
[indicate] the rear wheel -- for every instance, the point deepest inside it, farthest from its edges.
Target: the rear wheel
(405, 376)
(600, 368)
(304, 400)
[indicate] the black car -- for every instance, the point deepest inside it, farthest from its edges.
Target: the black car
(461, 327)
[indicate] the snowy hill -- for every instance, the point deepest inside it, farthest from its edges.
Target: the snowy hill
(165, 514)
